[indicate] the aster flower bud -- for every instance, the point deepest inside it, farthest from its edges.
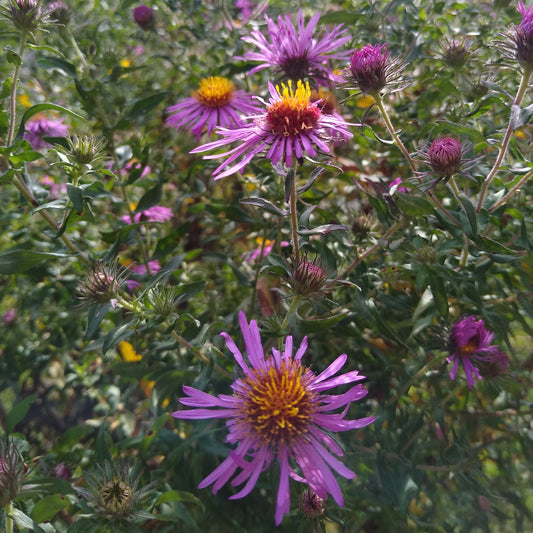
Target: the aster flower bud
(308, 278)
(83, 150)
(144, 17)
(24, 14)
(523, 37)
(59, 12)
(311, 504)
(369, 67)
(455, 53)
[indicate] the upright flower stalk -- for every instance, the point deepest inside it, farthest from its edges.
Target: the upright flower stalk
(524, 83)
(294, 214)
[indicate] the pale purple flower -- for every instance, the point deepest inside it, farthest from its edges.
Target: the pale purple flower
(134, 164)
(216, 103)
(297, 53)
(9, 316)
(396, 185)
(291, 127)
(157, 213)
(278, 412)
(470, 346)
(56, 189)
(247, 8)
(39, 128)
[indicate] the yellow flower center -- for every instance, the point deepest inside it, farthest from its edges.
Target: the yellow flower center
(294, 113)
(470, 347)
(278, 406)
(214, 91)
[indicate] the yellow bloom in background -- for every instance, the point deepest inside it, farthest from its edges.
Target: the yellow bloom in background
(127, 352)
(24, 100)
(364, 101)
(125, 63)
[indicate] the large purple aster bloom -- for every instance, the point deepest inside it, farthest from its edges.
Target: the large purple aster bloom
(216, 103)
(470, 346)
(39, 128)
(297, 53)
(279, 412)
(291, 127)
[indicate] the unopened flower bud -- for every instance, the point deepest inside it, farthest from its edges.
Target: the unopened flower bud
(59, 12)
(24, 14)
(523, 37)
(445, 156)
(311, 504)
(144, 17)
(369, 68)
(455, 53)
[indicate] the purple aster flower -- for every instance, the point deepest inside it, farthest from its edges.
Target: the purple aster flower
(291, 127)
(39, 128)
(470, 345)
(298, 53)
(267, 247)
(157, 213)
(247, 8)
(141, 269)
(278, 411)
(216, 103)
(144, 17)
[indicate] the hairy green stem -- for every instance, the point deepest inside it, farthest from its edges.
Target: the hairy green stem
(372, 249)
(511, 192)
(14, 84)
(23, 189)
(9, 520)
(390, 128)
(294, 216)
(524, 82)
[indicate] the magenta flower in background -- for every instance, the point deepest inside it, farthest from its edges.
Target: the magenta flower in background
(39, 128)
(267, 248)
(134, 164)
(247, 8)
(291, 127)
(144, 17)
(141, 270)
(279, 412)
(157, 213)
(56, 189)
(296, 53)
(470, 346)
(216, 103)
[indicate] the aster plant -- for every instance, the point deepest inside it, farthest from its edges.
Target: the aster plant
(298, 53)
(278, 412)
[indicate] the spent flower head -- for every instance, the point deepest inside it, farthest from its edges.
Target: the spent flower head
(216, 103)
(298, 53)
(455, 52)
(280, 411)
(311, 504)
(12, 470)
(291, 127)
(25, 15)
(103, 284)
(114, 494)
(470, 345)
(308, 278)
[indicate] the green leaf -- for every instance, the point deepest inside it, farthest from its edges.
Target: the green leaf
(24, 521)
(39, 108)
(19, 260)
(59, 65)
(102, 447)
(413, 205)
(368, 132)
(145, 105)
(264, 204)
(6, 88)
(314, 325)
(468, 216)
(470, 133)
(178, 496)
(150, 198)
(94, 318)
(44, 48)
(18, 412)
(323, 230)
(116, 335)
(76, 197)
(46, 508)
